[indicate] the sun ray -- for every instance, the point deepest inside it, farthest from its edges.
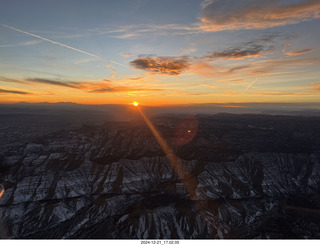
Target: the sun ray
(189, 182)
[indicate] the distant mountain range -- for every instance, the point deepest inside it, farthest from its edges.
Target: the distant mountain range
(302, 109)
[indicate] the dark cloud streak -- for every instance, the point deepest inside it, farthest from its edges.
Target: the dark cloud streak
(251, 50)
(89, 87)
(299, 52)
(56, 83)
(122, 89)
(257, 47)
(4, 91)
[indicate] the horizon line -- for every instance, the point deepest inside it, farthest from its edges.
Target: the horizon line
(166, 105)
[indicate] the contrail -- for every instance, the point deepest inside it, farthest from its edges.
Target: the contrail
(249, 85)
(63, 45)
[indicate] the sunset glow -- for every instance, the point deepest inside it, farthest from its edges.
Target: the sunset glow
(189, 53)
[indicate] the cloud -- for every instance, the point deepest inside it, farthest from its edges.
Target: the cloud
(102, 86)
(201, 65)
(43, 81)
(187, 50)
(172, 66)
(55, 82)
(82, 61)
(294, 53)
(22, 44)
(316, 86)
(205, 3)
(131, 35)
(260, 67)
(258, 72)
(10, 80)
(113, 71)
(143, 30)
(240, 52)
(278, 64)
(122, 89)
(136, 78)
(263, 45)
(206, 70)
(285, 46)
(284, 94)
(202, 68)
(4, 91)
(49, 93)
(126, 55)
(237, 68)
(221, 15)
(232, 80)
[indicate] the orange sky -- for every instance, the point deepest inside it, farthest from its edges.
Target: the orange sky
(160, 54)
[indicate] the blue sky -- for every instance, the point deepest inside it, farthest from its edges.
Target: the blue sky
(159, 52)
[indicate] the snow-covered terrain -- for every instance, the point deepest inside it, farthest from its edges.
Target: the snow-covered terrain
(252, 177)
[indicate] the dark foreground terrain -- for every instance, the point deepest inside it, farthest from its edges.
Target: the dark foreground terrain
(255, 176)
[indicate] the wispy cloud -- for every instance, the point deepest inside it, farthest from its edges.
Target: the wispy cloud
(263, 45)
(285, 94)
(280, 64)
(122, 89)
(187, 50)
(285, 46)
(102, 86)
(315, 86)
(10, 80)
(251, 50)
(136, 78)
(232, 80)
(22, 44)
(204, 69)
(143, 30)
(82, 61)
(299, 52)
(221, 15)
(55, 83)
(113, 72)
(126, 55)
(237, 68)
(4, 91)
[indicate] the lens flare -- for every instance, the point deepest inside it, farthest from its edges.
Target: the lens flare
(185, 177)
(186, 130)
(1, 190)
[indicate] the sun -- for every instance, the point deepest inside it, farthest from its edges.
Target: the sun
(135, 103)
